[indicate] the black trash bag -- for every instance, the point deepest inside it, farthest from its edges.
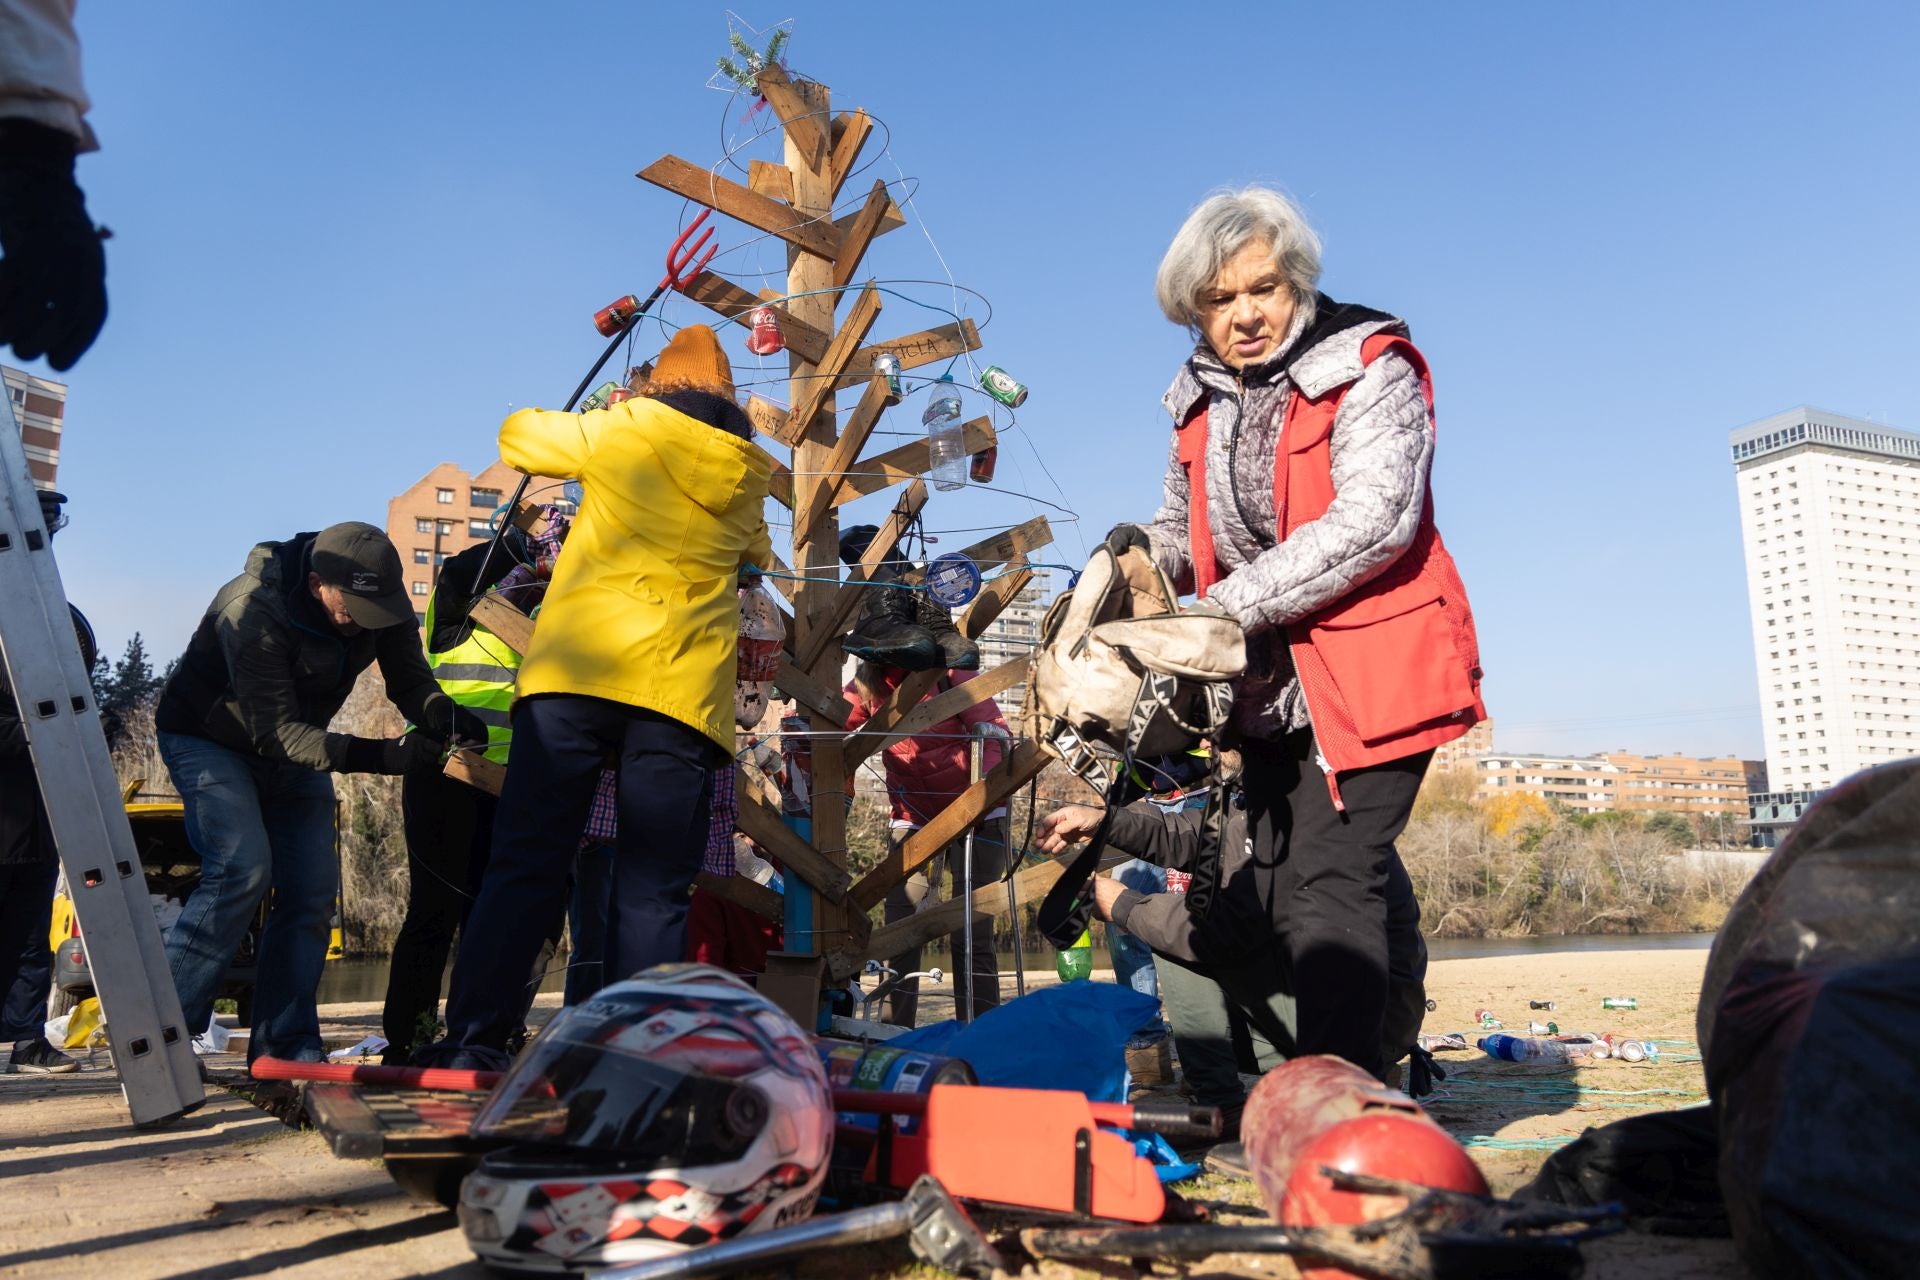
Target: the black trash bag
(1663, 1169)
(1810, 1026)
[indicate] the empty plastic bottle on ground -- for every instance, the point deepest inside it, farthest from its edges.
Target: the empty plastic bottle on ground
(946, 442)
(1076, 961)
(1526, 1048)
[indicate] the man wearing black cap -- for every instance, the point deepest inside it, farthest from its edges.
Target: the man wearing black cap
(242, 725)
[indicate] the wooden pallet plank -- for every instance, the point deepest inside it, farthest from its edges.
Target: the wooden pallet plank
(915, 350)
(514, 628)
(476, 770)
(884, 470)
(990, 553)
(820, 698)
(866, 225)
(774, 181)
(762, 825)
(815, 235)
(742, 892)
(891, 219)
(848, 136)
(819, 386)
(805, 127)
(853, 438)
(734, 303)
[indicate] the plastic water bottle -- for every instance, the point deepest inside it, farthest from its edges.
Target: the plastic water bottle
(1526, 1048)
(946, 443)
(1076, 962)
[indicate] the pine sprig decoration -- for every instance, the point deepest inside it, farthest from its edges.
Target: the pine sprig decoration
(745, 73)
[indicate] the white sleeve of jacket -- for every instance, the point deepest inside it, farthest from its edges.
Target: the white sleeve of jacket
(1382, 448)
(1168, 532)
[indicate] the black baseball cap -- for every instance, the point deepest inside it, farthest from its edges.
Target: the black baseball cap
(359, 559)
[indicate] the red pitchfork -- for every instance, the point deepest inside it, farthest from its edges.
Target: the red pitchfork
(681, 272)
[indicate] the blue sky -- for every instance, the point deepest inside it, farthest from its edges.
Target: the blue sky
(350, 237)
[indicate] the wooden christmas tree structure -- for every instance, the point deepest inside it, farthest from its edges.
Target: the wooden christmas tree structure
(828, 935)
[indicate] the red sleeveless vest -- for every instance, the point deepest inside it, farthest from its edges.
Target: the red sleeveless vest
(1392, 668)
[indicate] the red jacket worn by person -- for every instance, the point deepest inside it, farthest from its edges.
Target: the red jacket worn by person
(928, 771)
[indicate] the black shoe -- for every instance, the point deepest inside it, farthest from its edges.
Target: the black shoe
(957, 653)
(888, 631)
(39, 1058)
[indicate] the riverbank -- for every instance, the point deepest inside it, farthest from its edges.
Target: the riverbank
(230, 1191)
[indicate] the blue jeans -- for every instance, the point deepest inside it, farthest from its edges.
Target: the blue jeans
(256, 824)
(1132, 958)
(587, 921)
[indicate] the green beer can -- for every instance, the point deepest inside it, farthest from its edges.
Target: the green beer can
(1000, 384)
(1619, 1002)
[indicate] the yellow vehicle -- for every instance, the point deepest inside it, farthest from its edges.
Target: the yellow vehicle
(173, 872)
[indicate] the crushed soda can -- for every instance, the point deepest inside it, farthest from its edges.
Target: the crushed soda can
(1432, 1005)
(1002, 386)
(1488, 1020)
(616, 315)
(763, 335)
(1619, 1002)
(1446, 1040)
(1632, 1050)
(1543, 1028)
(598, 398)
(1541, 1004)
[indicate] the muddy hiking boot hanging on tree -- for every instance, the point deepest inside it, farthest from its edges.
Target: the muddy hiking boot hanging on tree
(889, 630)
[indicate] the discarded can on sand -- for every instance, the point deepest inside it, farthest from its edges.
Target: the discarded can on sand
(1541, 1004)
(1432, 1005)
(1447, 1040)
(1543, 1028)
(1488, 1019)
(1000, 384)
(1619, 1002)
(614, 317)
(1632, 1050)
(764, 337)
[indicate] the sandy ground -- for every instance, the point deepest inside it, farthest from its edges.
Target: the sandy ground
(230, 1191)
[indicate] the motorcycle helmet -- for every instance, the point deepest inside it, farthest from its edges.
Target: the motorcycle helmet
(675, 1109)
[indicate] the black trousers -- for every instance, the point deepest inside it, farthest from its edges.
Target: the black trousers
(560, 744)
(26, 961)
(1336, 880)
(449, 830)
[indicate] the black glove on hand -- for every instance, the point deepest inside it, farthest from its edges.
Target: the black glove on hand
(468, 727)
(53, 294)
(1123, 536)
(411, 751)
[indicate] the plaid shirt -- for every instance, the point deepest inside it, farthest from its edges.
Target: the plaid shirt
(604, 816)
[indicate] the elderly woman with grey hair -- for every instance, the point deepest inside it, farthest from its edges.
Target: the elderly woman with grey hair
(1297, 501)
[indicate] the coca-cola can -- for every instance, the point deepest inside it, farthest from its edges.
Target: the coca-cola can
(764, 337)
(614, 317)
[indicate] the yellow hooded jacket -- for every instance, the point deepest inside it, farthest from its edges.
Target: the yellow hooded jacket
(642, 608)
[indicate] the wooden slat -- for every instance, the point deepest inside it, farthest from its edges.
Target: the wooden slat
(1020, 767)
(513, 627)
(774, 181)
(832, 623)
(915, 350)
(990, 553)
(742, 892)
(768, 418)
(962, 696)
(736, 304)
(762, 825)
(818, 388)
(729, 197)
(866, 225)
(820, 698)
(783, 583)
(853, 438)
(884, 470)
(849, 135)
(994, 597)
(891, 219)
(879, 726)
(805, 127)
(989, 901)
(476, 770)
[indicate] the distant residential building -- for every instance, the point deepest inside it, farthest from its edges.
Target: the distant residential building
(1014, 634)
(1464, 752)
(1771, 813)
(1623, 782)
(39, 406)
(445, 512)
(1830, 519)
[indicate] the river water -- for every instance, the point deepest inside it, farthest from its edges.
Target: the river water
(365, 978)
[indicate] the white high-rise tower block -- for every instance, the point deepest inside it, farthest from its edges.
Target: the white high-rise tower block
(1830, 518)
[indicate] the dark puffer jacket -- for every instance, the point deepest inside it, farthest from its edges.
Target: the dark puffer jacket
(266, 672)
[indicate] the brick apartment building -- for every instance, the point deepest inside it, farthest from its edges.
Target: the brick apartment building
(1463, 752)
(445, 512)
(1622, 782)
(39, 405)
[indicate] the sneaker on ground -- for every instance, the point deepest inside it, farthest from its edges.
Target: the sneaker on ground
(37, 1057)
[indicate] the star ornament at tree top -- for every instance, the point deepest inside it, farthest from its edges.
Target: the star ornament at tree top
(752, 49)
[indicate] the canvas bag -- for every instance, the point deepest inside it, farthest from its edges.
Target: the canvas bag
(1120, 665)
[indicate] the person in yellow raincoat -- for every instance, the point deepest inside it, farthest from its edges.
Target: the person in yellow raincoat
(632, 663)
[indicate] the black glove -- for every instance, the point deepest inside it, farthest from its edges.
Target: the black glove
(1123, 536)
(411, 751)
(53, 293)
(468, 727)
